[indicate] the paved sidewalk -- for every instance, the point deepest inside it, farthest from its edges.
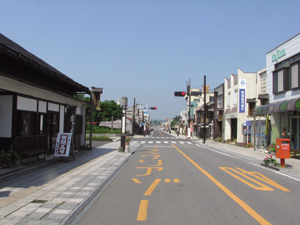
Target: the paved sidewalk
(54, 193)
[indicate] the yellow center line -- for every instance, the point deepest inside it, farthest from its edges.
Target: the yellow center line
(152, 187)
(247, 208)
(161, 134)
(143, 210)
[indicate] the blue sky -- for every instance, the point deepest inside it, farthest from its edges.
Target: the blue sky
(148, 49)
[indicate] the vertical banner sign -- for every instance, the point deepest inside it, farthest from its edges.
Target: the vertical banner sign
(242, 95)
(63, 144)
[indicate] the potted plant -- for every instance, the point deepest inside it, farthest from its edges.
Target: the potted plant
(235, 141)
(127, 141)
(249, 145)
(127, 146)
(272, 148)
(269, 159)
(228, 140)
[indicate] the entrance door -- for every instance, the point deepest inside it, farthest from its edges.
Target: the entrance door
(294, 133)
(52, 130)
(233, 129)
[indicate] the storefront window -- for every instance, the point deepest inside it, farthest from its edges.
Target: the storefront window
(42, 122)
(294, 75)
(26, 123)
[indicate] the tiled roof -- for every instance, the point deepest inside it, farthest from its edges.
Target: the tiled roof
(13, 48)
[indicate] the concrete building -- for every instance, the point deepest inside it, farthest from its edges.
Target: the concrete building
(237, 90)
(283, 86)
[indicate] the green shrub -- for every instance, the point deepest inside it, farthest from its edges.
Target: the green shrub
(9, 158)
(103, 130)
(101, 138)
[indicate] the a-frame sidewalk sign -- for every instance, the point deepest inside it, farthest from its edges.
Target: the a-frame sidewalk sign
(64, 146)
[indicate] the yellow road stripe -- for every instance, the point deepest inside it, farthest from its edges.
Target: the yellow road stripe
(143, 210)
(136, 180)
(167, 180)
(141, 161)
(176, 180)
(152, 187)
(247, 208)
(161, 134)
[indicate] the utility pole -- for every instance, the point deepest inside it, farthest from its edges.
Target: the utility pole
(133, 116)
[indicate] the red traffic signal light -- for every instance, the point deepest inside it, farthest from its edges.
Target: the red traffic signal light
(179, 93)
(153, 108)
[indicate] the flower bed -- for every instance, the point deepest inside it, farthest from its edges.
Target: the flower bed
(270, 160)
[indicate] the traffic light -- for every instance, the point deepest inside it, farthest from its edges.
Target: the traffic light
(153, 108)
(179, 93)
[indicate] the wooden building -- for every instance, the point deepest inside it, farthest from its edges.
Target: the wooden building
(36, 101)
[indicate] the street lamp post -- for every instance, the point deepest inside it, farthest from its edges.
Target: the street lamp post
(123, 104)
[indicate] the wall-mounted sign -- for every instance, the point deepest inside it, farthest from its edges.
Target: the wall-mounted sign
(242, 83)
(278, 54)
(63, 144)
(242, 101)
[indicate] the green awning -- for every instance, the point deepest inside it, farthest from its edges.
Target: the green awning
(283, 105)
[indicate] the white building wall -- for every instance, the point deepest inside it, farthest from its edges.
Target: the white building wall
(231, 100)
(292, 47)
(6, 109)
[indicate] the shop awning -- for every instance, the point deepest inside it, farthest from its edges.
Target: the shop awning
(277, 107)
(265, 109)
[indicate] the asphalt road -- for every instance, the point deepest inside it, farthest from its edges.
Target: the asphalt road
(182, 183)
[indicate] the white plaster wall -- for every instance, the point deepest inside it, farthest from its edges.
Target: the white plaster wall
(78, 111)
(61, 118)
(6, 108)
(27, 104)
(42, 106)
(53, 107)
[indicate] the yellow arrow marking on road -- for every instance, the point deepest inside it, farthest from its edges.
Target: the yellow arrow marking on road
(247, 208)
(262, 186)
(265, 179)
